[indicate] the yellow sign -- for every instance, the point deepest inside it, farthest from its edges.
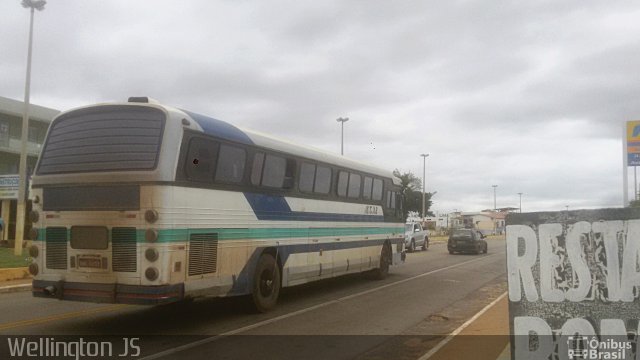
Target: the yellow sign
(633, 132)
(633, 143)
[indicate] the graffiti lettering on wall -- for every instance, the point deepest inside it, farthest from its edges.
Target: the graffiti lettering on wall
(574, 281)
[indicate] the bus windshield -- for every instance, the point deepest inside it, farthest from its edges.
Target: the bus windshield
(105, 138)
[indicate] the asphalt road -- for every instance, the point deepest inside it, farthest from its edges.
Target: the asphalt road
(401, 317)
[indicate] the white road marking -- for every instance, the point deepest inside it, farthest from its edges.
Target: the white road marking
(305, 310)
(462, 327)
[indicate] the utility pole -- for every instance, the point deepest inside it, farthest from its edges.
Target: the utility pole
(520, 202)
(424, 183)
(495, 208)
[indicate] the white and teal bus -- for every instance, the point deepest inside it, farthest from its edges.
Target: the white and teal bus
(142, 203)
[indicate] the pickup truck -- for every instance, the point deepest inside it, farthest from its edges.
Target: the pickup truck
(414, 236)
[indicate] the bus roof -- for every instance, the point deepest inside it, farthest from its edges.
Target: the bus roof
(228, 131)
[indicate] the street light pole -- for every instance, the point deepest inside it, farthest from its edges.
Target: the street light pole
(424, 182)
(342, 121)
(520, 202)
(22, 171)
(495, 208)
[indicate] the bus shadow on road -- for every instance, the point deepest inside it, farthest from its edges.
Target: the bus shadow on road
(214, 315)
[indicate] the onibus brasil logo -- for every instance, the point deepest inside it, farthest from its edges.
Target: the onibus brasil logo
(592, 348)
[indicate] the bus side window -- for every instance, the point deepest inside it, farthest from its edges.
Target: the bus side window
(377, 189)
(256, 170)
(289, 174)
(307, 174)
(343, 181)
(314, 178)
(274, 171)
(200, 160)
(366, 190)
(231, 161)
(323, 180)
(354, 186)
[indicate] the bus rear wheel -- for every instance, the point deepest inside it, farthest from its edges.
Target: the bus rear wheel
(266, 284)
(385, 260)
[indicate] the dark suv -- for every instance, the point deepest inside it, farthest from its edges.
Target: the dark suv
(467, 240)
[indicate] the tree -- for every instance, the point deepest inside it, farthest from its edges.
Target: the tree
(408, 181)
(411, 191)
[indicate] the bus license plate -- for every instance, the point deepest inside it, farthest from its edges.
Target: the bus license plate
(90, 262)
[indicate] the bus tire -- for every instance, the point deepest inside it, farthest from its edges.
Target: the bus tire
(385, 260)
(266, 284)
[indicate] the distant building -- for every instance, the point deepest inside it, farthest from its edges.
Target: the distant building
(438, 224)
(10, 136)
(487, 222)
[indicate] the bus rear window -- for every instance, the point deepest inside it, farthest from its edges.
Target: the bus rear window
(105, 138)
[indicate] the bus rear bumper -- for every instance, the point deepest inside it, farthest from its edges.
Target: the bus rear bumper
(108, 293)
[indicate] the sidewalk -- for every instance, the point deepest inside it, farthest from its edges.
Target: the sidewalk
(15, 279)
(486, 338)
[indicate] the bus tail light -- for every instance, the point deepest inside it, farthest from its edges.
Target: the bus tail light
(34, 251)
(151, 235)
(151, 274)
(151, 254)
(34, 216)
(33, 234)
(151, 216)
(33, 269)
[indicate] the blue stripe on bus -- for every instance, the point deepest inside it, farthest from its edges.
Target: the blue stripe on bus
(275, 207)
(220, 128)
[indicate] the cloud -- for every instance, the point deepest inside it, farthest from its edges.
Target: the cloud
(529, 96)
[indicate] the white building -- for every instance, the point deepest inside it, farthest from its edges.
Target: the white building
(10, 136)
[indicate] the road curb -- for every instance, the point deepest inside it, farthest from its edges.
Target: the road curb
(15, 288)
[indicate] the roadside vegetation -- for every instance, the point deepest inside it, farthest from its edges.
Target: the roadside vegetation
(411, 190)
(9, 260)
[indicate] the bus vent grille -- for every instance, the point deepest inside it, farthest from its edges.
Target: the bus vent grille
(56, 250)
(124, 250)
(203, 254)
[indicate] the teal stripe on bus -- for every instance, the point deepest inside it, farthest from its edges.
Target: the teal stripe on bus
(181, 235)
(176, 235)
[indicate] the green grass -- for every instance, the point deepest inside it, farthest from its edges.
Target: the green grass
(8, 260)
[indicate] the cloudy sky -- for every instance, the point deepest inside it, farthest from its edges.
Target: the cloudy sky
(530, 96)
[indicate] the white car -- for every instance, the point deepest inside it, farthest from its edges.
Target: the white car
(415, 236)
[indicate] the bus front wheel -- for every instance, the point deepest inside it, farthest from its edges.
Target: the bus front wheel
(266, 284)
